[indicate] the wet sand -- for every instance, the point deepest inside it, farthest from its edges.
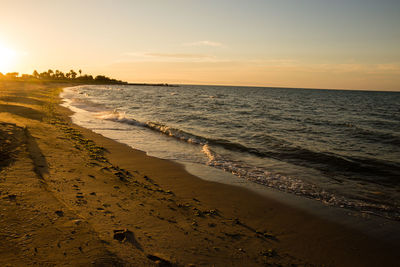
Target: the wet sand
(71, 197)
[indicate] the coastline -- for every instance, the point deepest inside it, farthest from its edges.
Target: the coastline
(172, 216)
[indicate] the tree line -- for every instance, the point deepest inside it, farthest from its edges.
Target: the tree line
(57, 75)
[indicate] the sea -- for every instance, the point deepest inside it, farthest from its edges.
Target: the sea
(338, 147)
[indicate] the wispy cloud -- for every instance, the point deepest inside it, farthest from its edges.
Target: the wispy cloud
(161, 56)
(178, 55)
(204, 43)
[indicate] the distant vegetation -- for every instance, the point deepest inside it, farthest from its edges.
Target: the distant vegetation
(59, 76)
(69, 77)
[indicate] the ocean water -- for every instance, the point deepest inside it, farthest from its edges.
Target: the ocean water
(338, 147)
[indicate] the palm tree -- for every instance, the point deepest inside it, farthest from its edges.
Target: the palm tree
(50, 72)
(73, 74)
(35, 74)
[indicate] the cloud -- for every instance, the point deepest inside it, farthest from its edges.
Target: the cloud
(205, 43)
(178, 55)
(166, 57)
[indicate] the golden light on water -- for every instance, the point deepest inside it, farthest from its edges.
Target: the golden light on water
(7, 59)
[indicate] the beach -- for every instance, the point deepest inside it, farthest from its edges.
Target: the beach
(69, 196)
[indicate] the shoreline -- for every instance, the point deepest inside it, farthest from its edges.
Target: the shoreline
(165, 138)
(171, 215)
(370, 224)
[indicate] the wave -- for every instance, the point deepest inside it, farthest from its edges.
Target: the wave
(158, 127)
(354, 130)
(375, 136)
(330, 163)
(292, 185)
(340, 168)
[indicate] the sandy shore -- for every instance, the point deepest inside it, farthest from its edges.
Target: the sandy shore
(71, 197)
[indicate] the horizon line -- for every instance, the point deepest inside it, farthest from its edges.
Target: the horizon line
(277, 87)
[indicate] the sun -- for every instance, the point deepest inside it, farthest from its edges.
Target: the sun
(7, 59)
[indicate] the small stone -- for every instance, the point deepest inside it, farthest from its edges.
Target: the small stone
(269, 253)
(60, 213)
(123, 235)
(12, 197)
(159, 261)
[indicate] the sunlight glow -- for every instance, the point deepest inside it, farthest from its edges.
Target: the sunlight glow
(7, 59)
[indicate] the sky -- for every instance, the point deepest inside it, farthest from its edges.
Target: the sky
(341, 44)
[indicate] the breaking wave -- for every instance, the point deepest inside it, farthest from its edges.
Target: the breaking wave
(343, 151)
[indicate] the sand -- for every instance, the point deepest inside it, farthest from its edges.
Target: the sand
(71, 197)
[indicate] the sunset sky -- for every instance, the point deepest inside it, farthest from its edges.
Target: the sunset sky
(352, 44)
